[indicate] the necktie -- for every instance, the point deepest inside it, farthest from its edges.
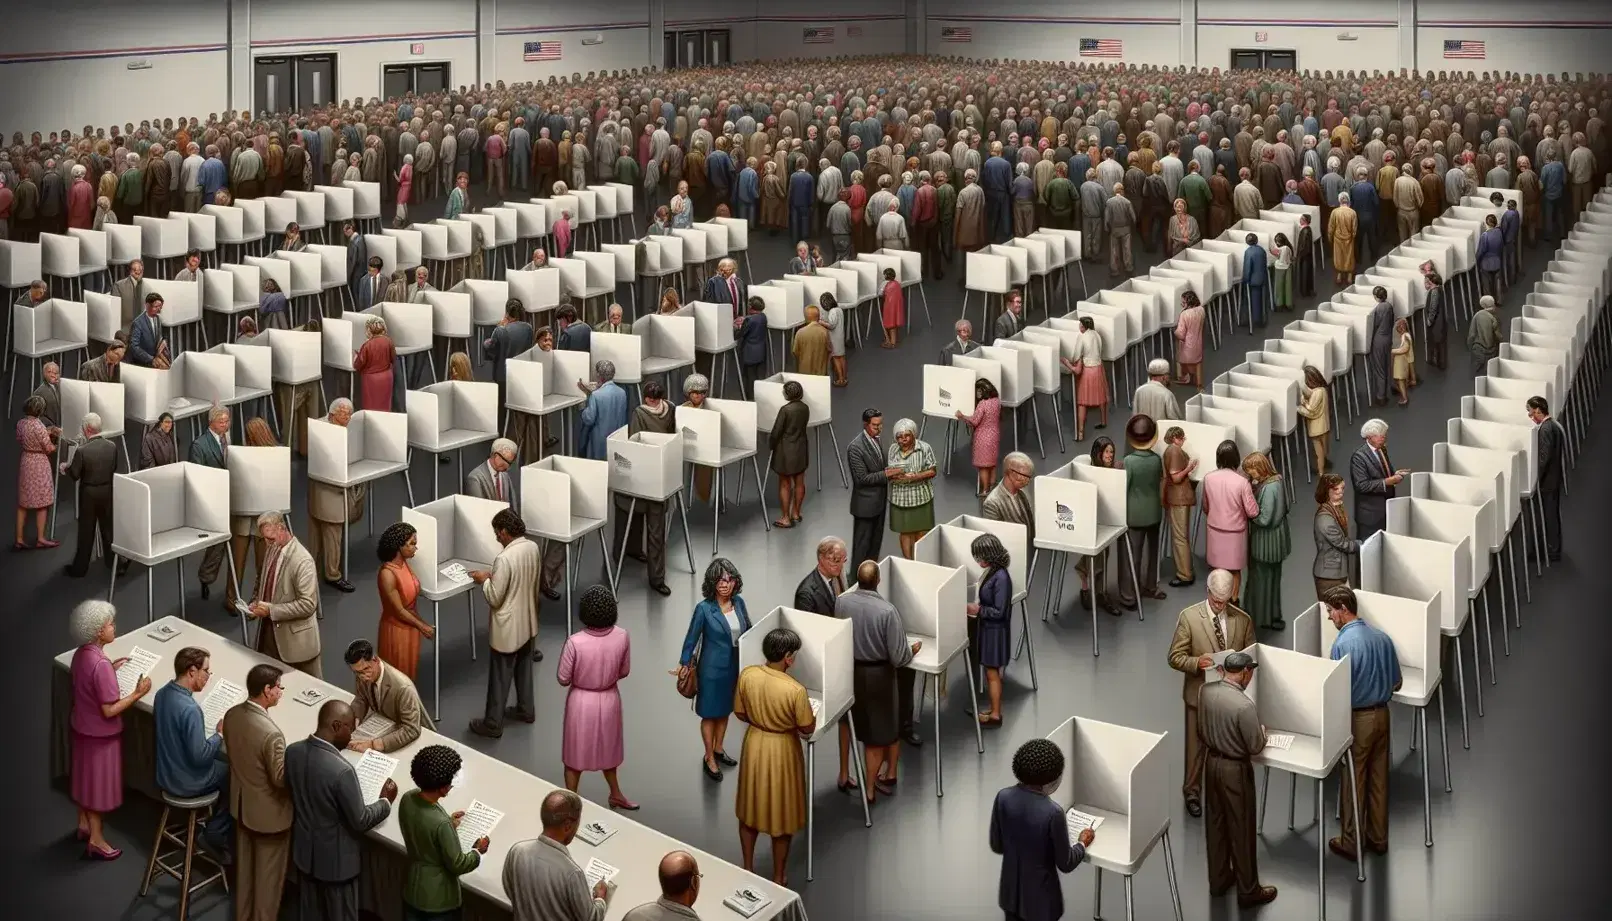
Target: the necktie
(1220, 635)
(733, 291)
(270, 570)
(1382, 458)
(498, 485)
(223, 447)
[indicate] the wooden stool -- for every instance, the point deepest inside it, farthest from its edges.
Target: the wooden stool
(194, 808)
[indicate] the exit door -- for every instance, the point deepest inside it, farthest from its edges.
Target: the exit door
(398, 80)
(285, 83)
(1261, 59)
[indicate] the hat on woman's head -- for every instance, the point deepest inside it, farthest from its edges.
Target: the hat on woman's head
(1141, 432)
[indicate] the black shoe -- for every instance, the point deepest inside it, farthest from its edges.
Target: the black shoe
(72, 573)
(486, 730)
(1181, 583)
(1194, 807)
(537, 655)
(661, 587)
(710, 774)
(514, 713)
(123, 568)
(552, 594)
(723, 759)
(444, 459)
(207, 591)
(910, 736)
(340, 585)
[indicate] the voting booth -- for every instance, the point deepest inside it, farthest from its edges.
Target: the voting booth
(1046, 377)
(950, 546)
(667, 345)
(254, 376)
(163, 514)
(73, 257)
(565, 499)
(50, 329)
(181, 306)
(453, 320)
(189, 388)
(1079, 511)
(816, 389)
(987, 273)
(713, 335)
(410, 328)
(715, 435)
(647, 466)
(1467, 526)
(372, 445)
(409, 245)
(451, 416)
(538, 290)
(540, 383)
(231, 290)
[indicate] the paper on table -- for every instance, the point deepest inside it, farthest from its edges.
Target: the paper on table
(373, 727)
(597, 871)
(747, 902)
(477, 822)
(374, 770)
(1281, 741)
(162, 633)
(178, 402)
(456, 573)
(1213, 672)
(595, 833)
(140, 662)
(817, 706)
(1080, 821)
(310, 696)
(220, 699)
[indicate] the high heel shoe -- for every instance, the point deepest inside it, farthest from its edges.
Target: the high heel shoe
(94, 853)
(710, 772)
(622, 803)
(723, 759)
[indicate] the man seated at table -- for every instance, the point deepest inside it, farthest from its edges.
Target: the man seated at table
(188, 750)
(679, 875)
(386, 691)
(541, 877)
(328, 510)
(287, 599)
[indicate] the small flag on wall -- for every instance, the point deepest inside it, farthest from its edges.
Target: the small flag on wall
(541, 51)
(1458, 48)
(1101, 48)
(817, 36)
(956, 34)
(853, 31)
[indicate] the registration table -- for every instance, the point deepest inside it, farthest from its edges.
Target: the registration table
(634, 849)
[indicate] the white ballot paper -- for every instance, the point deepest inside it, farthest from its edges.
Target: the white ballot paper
(221, 698)
(1281, 741)
(747, 902)
(595, 833)
(456, 573)
(178, 402)
(162, 633)
(817, 706)
(373, 727)
(374, 770)
(140, 662)
(1079, 821)
(1213, 673)
(310, 696)
(477, 822)
(597, 871)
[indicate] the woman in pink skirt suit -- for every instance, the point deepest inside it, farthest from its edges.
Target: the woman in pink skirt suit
(36, 487)
(405, 187)
(987, 425)
(562, 235)
(1189, 341)
(892, 310)
(595, 658)
(1228, 504)
(1091, 377)
(97, 724)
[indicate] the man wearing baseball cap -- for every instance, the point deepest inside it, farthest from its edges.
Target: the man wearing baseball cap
(1228, 724)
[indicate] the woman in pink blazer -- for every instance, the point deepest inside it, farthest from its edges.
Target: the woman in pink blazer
(1228, 504)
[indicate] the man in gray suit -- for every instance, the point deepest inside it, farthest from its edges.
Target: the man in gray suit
(94, 462)
(1011, 319)
(961, 344)
(212, 450)
(491, 480)
(679, 888)
(329, 816)
(50, 390)
(870, 488)
(541, 879)
(127, 291)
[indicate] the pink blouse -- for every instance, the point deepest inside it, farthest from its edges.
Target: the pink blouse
(1228, 501)
(94, 684)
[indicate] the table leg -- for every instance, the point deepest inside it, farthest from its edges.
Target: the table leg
(621, 559)
(1443, 738)
(1097, 896)
(179, 577)
(1130, 902)
(470, 622)
(716, 520)
(436, 661)
(151, 603)
(1477, 670)
(604, 550)
(1321, 853)
(811, 801)
(1264, 797)
(1360, 831)
(568, 589)
(688, 545)
(940, 789)
(1091, 589)
(1029, 642)
(973, 696)
(1427, 793)
(1169, 869)
(1460, 682)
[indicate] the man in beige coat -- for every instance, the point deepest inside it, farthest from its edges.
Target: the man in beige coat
(127, 291)
(387, 692)
(287, 599)
(328, 510)
(1202, 631)
(258, 798)
(511, 590)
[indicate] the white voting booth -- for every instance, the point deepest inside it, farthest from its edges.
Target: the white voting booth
(538, 290)
(1120, 776)
(949, 390)
(816, 388)
(254, 373)
(713, 335)
(1079, 511)
(1046, 377)
(539, 383)
(410, 328)
(823, 665)
(166, 513)
(667, 344)
(409, 244)
(74, 256)
(453, 537)
(231, 290)
(647, 467)
(371, 446)
(624, 350)
(933, 603)
(189, 388)
(451, 416)
(453, 317)
(51, 329)
(565, 499)
(720, 433)
(79, 398)
(785, 310)
(950, 545)
(181, 306)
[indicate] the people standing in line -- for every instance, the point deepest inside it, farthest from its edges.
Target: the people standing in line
(595, 659)
(287, 600)
(1304, 252)
(96, 723)
(912, 495)
(1269, 542)
(1374, 478)
(771, 799)
(1483, 335)
(709, 661)
(1189, 326)
(1228, 724)
(1343, 225)
(511, 590)
(986, 443)
(790, 453)
(1374, 676)
(383, 689)
(1315, 405)
(1436, 317)
(1091, 377)
(1228, 505)
(1180, 498)
(1380, 346)
(1335, 551)
(1182, 232)
(431, 889)
(871, 475)
(1029, 831)
(991, 619)
(540, 877)
(1202, 631)
(881, 653)
(258, 798)
(1551, 474)
(1145, 487)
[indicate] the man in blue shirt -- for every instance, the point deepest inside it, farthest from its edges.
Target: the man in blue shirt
(1553, 177)
(1254, 279)
(1373, 678)
(212, 175)
(188, 762)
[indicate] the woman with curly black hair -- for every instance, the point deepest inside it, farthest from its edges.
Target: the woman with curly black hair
(397, 641)
(431, 838)
(594, 660)
(1029, 830)
(711, 656)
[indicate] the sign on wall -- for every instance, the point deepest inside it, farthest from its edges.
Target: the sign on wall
(1262, 36)
(541, 51)
(824, 36)
(417, 48)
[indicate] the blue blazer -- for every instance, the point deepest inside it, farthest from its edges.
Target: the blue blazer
(719, 656)
(752, 337)
(716, 292)
(1029, 830)
(143, 340)
(1490, 246)
(1254, 266)
(577, 337)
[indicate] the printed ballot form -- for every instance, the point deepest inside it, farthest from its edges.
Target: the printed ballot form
(597, 871)
(1213, 673)
(140, 663)
(455, 573)
(1080, 821)
(162, 633)
(223, 696)
(374, 770)
(1281, 741)
(595, 832)
(747, 902)
(373, 727)
(817, 706)
(476, 823)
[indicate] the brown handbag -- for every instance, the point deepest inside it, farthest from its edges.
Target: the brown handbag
(688, 683)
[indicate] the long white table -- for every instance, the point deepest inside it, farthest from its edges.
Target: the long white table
(635, 849)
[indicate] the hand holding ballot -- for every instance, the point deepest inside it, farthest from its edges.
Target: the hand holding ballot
(389, 790)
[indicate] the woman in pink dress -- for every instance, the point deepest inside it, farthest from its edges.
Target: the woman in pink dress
(562, 235)
(36, 487)
(893, 312)
(1091, 377)
(987, 425)
(1189, 341)
(405, 185)
(97, 724)
(373, 363)
(1228, 504)
(595, 658)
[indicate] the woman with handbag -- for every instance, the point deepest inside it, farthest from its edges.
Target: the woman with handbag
(708, 669)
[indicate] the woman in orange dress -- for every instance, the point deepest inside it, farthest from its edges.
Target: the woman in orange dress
(397, 641)
(374, 363)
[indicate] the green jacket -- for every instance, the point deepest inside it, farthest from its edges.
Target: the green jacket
(1059, 196)
(1195, 189)
(626, 172)
(1144, 492)
(435, 859)
(129, 189)
(1269, 540)
(946, 203)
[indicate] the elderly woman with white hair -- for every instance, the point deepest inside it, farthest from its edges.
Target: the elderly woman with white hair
(696, 389)
(97, 723)
(891, 230)
(373, 363)
(912, 495)
(405, 186)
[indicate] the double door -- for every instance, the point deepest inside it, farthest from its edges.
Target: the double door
(398, 80)
(287, 83)
(1261, 59)
(697, 48)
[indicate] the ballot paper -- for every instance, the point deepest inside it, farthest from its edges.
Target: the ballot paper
(595, 833)
(374, 770)
(178, 402)
(1281, 741)
(1213, 673)
(140, 663)
(1080, 821)
(309, 697)
(597, 871)
(817, 706)
(456, 573)
(227, 694)
(162, 633)
(373, 727)
(477, 822)
(747, 902)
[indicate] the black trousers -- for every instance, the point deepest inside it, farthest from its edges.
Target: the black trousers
(318, 900)
(906, 682)
(504, 668)
(94, 508)
(1552, 501)
(866, 536)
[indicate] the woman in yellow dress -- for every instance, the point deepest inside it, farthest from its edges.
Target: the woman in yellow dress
(772, 770)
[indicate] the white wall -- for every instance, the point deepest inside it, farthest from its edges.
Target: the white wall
(1309, 28)
(366, 36)
(758, 31)
(65, 64)
(1047, 30)
(622, 26)
(1536, 37)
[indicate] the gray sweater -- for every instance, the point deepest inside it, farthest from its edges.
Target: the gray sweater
(877, 632)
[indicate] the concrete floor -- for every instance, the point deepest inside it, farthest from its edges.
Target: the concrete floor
(1513, 841)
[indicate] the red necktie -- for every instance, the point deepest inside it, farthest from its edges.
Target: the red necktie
(498, 485)
(269, 572)
(733, 292)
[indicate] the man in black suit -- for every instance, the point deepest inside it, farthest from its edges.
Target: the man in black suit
(357, 259)
(1373, 477)
(870, 488)
(94, 462)
(962, 343)
(1552, 446)
(817, 594)
(575, 336)
(725, 287)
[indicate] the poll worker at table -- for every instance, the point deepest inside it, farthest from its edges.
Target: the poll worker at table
(679, 876)
(189, 753)
(708, 666)
(1011, 320)
(1374, 478)
(542, 880)
(1154, 399)
(1029, 831)
(512, 608)
(604, 411)
(1228, 725)
(1552, 448)
(595, 659)
(962, 342)
(401, 628)
(287, 599)
(990, 620)
(511, 337)
(258, 798)
(1144, 511)
(147, 345)
(771, 799)
(94, 464)
(380, 688)
(1211, 626)
(870, 487)
(1380, 346)
(645, 535)
(882, 653)
(96, 773)
(1374, 676)
(212, 450)
(431, 890)
(330, 817)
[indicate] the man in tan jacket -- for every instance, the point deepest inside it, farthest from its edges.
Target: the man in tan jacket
(287, 599)
(1407, 204)
(328, 509)
(258, 798)
(511, 590)
(1202, 631)
(383, 690)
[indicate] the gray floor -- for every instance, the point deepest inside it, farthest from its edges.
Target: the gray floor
(1512, 841)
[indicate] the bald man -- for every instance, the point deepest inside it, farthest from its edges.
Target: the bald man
(541, 878)
(679, 875)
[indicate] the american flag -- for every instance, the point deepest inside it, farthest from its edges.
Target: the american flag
(817, 36)
(541, 51)
(956, 34)
(1458, 48)
(1101, 48)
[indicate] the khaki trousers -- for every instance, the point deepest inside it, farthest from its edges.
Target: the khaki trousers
(1319, 445)
(1194, 756)
(1230, 825)
(260, 862)
(1409, 223)
(1180, 518)
(325, 545)
(1371, 729)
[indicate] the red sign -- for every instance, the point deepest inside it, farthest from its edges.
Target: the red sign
(1262, 36)
(419, 47)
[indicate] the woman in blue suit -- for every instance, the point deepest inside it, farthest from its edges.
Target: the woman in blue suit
(712, 645)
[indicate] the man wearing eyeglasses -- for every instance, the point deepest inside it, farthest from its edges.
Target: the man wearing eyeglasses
(258, 798)
(492, 480)
(188, 762)
(1010, 500)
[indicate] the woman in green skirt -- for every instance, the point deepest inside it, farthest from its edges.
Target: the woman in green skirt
(1269, 543)
(912, 496)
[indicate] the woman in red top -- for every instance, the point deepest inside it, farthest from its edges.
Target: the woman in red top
(893, 312)
(397, 641)
(373, 363)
